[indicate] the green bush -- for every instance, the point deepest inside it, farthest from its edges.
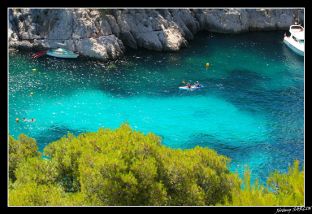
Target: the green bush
(33, 194)
(37, 170)
(282, 190)
(126, 167)
(19, 151)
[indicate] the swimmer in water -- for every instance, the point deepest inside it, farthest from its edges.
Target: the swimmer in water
(17, 120)
(29, 120)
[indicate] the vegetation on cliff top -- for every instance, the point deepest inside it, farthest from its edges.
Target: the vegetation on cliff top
(126, 167)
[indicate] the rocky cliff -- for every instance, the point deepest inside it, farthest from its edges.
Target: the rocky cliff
(106, 33)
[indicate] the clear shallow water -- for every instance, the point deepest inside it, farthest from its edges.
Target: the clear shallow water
(251, 108)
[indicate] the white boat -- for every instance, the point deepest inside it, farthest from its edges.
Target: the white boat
(62, 53)
(296, 39)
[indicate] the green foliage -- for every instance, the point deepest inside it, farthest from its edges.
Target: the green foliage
(126, 167)
(123, 167)
(289, 186)
(20, 150)
(282, 190)
(37, 170)
(32, 194)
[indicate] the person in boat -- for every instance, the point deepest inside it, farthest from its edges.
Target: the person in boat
(188, 85)
(197, 84)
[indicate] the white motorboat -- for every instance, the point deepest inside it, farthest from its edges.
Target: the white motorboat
(296, 39)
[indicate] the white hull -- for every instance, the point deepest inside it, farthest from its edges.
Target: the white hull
(62, 53)
(292, 47)
(63, 56)
(296, 39)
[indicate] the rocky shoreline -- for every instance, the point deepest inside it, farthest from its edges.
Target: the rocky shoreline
(105, 34)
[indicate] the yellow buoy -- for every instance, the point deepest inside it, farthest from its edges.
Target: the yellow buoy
(31, 93)
(207, 65)
(34, 69)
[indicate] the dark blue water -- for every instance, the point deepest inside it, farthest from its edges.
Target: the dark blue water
(251, 108)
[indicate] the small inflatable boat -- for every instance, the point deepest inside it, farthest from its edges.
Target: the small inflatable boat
(193, 87)
(61, 53)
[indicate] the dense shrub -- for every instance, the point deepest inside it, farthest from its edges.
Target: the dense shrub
(20, 150)
(281, 190)
(126, 167)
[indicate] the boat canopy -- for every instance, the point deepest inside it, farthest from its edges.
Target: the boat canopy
(297, 31)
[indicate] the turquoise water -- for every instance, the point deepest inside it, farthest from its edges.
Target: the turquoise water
(251, 108)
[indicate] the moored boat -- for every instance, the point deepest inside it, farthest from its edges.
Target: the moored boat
(38, 54)
(61, 53)
(296, 39)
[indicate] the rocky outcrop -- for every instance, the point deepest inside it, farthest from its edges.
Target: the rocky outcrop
(223, 20)
(79, 30)
(243, 20)
(104, 34)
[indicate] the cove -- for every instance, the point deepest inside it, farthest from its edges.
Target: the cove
(251, 108)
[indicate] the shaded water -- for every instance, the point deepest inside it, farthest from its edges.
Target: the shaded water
(251, 108)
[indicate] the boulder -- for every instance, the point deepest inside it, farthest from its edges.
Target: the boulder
(103, 48)
(173, 39)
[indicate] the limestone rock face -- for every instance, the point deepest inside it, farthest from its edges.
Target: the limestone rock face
(83, 30)
(113, 24)
(128, 39)
(105, 33)
(60, 24)
(260, 19)
(104, 47)
(173, 40)
(150, 40)
(224, 20)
